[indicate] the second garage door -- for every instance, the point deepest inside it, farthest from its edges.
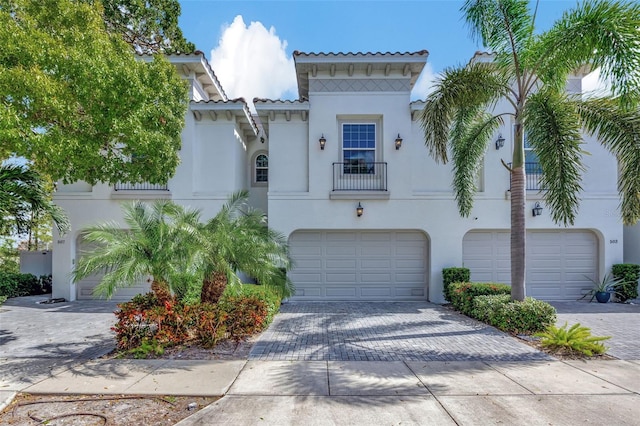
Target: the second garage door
(359, 265)
(559, 263)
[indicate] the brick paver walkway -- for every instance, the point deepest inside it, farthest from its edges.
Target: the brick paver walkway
(377, 331)
(618, 320)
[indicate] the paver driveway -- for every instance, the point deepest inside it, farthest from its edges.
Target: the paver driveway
(383, 331)
(619, 320)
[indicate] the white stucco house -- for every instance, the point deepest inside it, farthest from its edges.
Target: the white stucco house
(344, 172)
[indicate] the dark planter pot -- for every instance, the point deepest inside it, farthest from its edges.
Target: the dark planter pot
(602, 296)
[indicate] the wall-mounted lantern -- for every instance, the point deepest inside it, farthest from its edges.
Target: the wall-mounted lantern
(537, 210)
(398, 142)
(322, 141)
(499, 141)
(359, 210)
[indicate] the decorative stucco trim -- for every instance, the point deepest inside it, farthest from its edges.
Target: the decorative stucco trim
(360, 85)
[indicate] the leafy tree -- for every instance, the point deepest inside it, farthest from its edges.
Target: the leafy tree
(149, 26)
(77, 102)
(23, 195)
(530, 71)
(238, 239)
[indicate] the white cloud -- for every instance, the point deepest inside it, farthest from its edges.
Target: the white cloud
(424, 85)
(251, 61)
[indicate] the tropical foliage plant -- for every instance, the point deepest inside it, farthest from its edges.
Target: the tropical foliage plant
(529, 71)
(23, 195)
(575, 340)
(183, 255)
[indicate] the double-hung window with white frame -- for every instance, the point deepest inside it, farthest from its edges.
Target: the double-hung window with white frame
(359, 148)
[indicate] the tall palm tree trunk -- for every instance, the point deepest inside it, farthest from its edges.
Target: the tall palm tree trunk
(518, 227)
(213, 287)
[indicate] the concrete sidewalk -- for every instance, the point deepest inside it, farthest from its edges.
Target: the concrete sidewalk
(370, 392)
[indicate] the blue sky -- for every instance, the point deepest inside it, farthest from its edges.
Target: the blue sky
(263, 39)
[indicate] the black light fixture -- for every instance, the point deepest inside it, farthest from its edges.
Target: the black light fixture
(537, 209)
(322, 141)
(398, 142)
(359, 210)
(499, 141)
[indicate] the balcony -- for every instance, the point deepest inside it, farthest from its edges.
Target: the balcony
(144, 190)
(533, 173)
(359, 179)
(144, 186)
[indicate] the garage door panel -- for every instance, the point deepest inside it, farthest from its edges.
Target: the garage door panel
(376, 278)
(309, 263)
(383, 264)
(411, 263)
(341, 263)
(341, 292)
(376, 236)
(370, 265)
(340, 251)
(375, 292)
(376, 251)
(332, 237)
(557, 261)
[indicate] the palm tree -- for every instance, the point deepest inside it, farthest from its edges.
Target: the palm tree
(530, 71)
(159, 241)
(238, 239)
(22, 196)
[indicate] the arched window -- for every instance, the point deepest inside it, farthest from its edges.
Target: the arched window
(261, 170)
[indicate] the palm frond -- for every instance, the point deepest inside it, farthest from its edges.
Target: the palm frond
(600, 34)
(553, 130)
(470, 138)
(618, 129)
(472, 87)
(502, 26)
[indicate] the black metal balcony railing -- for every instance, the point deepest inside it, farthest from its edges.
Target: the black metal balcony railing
(533, 173)
(360, 176)
(144, 186)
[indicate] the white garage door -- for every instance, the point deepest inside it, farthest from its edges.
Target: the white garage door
(558, 262)
(359, 265)
(84, 288)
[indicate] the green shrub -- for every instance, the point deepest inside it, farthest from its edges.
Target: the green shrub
(145, 326)
(484, 306)
(249, 309)
(628, 275)
(576, 339)
(3, 299)
(17, 285)
(46, 283)
(462, 294)
(454, 275)
(526, 317)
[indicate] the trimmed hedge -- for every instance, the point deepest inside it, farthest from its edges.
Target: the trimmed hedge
(454, 275)
(628, 274)
(526, 317)
(462, 294)
(17, 285)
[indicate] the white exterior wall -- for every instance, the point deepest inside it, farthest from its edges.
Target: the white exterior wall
(420, 195)
(214, 164)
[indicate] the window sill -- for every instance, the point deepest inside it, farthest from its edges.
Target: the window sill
(359, 195)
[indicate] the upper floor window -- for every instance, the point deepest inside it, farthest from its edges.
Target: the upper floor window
(358, 147)
(261, 169)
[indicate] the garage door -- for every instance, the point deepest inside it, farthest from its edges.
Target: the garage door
(84, 288)
(558, 262)
(359, 265)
